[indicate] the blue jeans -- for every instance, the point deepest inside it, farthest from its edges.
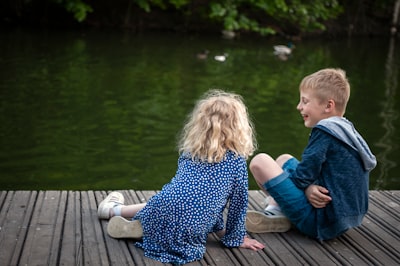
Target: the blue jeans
(292, 200)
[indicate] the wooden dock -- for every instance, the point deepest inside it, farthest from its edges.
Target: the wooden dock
(61, 228)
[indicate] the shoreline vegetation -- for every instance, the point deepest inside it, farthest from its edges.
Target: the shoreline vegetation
(289, 19)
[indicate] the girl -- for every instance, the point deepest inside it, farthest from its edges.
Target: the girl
(212, 172)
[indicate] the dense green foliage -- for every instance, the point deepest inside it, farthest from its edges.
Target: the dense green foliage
(307, 15)
(77, 7)
(264, 17)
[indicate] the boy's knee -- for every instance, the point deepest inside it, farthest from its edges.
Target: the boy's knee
(283, 158)
(264, 168)
(259, 161)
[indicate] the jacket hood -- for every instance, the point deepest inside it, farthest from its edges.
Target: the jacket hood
(344, 130)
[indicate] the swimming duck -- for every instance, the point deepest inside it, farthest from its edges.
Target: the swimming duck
(228, 34)
(283, 49)
(221, 58)
(203, 54)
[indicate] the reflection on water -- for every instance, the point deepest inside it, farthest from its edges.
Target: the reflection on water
(389, 115)
(102, 110)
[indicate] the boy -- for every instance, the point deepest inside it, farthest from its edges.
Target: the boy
(326, 193)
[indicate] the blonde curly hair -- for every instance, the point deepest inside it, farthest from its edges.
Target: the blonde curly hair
(219, 122)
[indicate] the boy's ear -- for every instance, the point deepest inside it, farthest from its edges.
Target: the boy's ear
(330, 106)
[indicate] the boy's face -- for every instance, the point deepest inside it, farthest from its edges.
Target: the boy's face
(311, 108)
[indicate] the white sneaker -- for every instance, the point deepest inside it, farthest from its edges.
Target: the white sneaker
(119, 227)
(272, 221)
(267, 200)
(112, 200)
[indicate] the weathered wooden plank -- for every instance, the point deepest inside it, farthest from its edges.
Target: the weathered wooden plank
(353, 251)
(378, 238)
(59, 202)
(393, 194)
(278, 250)
(384, 208)
(132, 197)
(62, 228)
(338, 251)
(332, 252)
(217, 254)
(117, 251)
(94, 235)
(10, 227)
(26, 221)
(3, 195)
(72, 242)
(250, 257)
(15, 215)
(145, 195)
(256, 200)
(44, 235)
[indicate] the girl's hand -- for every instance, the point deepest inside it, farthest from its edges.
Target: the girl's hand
(251, 244)
(221, 233)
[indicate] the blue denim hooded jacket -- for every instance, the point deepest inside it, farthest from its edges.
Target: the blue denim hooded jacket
(339, 159)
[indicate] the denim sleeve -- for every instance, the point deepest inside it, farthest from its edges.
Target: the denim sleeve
(313, 157)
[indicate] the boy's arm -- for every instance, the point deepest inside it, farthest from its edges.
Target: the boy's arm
(309, 169)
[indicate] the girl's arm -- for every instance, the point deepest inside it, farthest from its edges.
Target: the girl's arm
(237, 206)
(235, 235)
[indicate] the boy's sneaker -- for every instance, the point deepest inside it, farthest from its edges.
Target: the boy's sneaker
(112, 200)
(267, 222)
(119, 227)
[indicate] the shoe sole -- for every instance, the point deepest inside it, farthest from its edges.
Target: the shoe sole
(119, 227)
(258, 222)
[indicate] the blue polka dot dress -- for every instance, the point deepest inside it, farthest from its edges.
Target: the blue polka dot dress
(177, 220)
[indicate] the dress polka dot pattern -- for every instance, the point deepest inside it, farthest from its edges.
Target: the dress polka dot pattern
(177, 221)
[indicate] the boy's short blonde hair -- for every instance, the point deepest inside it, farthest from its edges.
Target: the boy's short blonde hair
(329, 83)
(219, 122)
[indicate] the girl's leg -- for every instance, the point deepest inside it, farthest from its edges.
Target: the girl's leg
(113, 205)
(119, 227)
(126, 211)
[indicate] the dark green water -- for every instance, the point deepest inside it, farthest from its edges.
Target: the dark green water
(101, 110)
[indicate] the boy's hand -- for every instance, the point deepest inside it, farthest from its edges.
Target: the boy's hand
(317, 196)
(251, 244)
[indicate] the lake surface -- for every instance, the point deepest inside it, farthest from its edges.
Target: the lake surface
(102, 110)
